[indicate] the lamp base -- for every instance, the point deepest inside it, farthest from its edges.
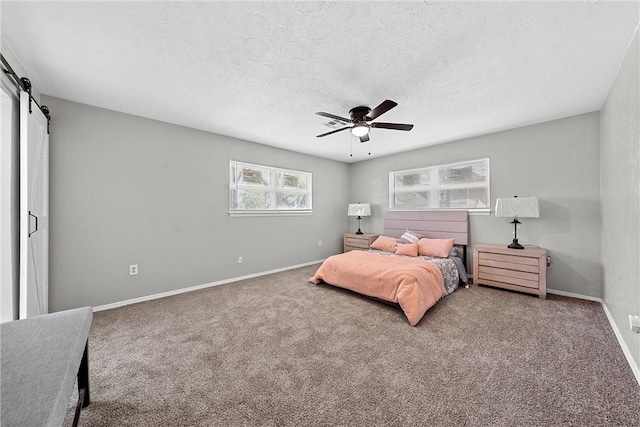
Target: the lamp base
(359, 232)
(515, 245)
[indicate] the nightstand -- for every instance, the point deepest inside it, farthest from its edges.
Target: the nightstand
(523, 270)
(358, 242)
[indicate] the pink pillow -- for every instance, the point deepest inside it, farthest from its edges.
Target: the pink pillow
(435, 247)
(385, 243)
(410, 249)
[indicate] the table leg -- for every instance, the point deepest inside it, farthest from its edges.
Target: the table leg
(83, 375)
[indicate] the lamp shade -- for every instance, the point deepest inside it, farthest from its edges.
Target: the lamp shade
(359, 209)
(517, 207)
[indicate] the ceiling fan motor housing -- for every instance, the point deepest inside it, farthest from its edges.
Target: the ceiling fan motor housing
(359, 113)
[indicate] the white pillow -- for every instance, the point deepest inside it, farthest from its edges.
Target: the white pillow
(409, 237)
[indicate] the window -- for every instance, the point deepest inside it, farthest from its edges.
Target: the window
(463, 185)
(257, 189)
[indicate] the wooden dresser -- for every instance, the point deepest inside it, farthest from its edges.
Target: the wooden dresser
(523, 270)
(358, 242)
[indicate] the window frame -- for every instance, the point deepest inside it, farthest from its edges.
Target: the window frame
(433, 187)
(272, 187)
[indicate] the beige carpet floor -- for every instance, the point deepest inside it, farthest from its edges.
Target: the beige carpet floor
(278, 351)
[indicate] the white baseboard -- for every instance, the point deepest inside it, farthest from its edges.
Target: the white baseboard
(195, 288)
(625, 349)
(616, 331)
(572, 295)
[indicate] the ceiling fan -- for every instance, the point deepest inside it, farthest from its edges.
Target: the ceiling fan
(360, 116)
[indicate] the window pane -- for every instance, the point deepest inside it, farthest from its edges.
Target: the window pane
(412, 200)
(413, 178)
(463, 198)
(478, 197)
(292, 200)
(464, 173)
(255, 176)
(456, 175)
(252, 199)
(292, 180)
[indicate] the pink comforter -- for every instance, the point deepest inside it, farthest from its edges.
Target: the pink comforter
(413, 283)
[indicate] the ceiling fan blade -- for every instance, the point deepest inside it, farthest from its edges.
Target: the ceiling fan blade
(395, 126)
(380, 109)
(333, 131)
(333, 116)
(364, 138)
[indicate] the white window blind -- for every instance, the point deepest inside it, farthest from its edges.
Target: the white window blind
(462, 185)
(265, 190)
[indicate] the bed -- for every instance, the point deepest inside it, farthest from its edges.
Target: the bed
(406, 273)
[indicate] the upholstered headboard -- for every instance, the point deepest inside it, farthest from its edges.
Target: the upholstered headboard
(433, 224)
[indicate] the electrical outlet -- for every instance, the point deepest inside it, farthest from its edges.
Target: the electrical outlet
(635, 323)
(319, 243)
(239, 260)
(133, 269)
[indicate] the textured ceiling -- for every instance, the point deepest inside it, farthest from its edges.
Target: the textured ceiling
(260, 70)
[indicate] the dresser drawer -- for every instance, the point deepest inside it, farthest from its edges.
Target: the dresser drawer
(513, 277)
(508, 261)
(356, 243)
(360, 242)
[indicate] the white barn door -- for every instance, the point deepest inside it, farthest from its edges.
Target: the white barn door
(34, 210)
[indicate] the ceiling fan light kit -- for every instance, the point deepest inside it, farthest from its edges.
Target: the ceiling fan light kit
(361, 129)
(360, 116)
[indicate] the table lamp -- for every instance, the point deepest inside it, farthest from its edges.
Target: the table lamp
(359, 210)
(517, 207)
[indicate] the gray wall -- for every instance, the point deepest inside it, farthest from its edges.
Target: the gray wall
(557, 161)
(620, 197)
(128, 190)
